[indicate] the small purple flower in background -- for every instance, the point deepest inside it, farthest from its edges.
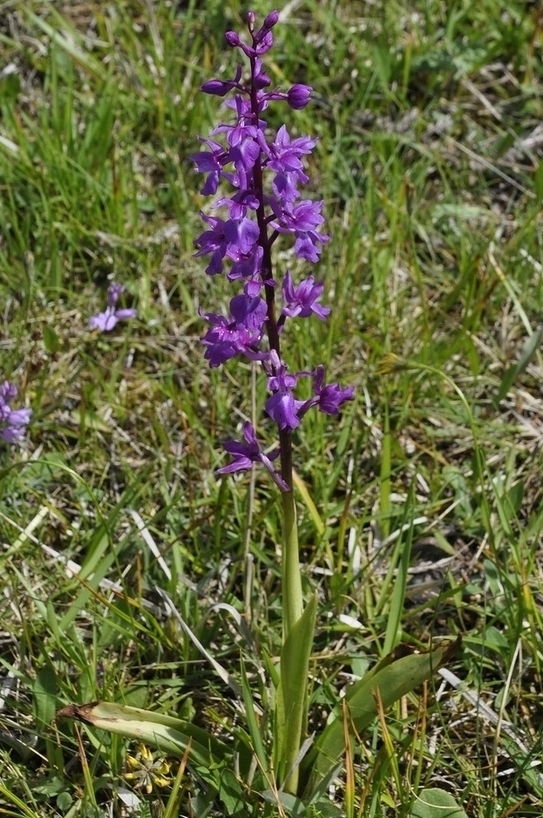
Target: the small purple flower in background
(13, 422)
(265, 172)
(106, 321)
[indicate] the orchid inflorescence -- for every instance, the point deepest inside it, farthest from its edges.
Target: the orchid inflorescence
(265, 173)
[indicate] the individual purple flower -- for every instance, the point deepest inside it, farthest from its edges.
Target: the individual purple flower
(307, 246)
(330, 397)
(247, 266)
(297, 96)
(249, 311)
(13, 422)
(238, 204)
(242, 138)
(220, 88)
(107, 320)
(302, 300)
(284, 153)
(303, 217)
(245, 454)
(303, 220)
(282, 406)
(8, 392)
(239, 335)
(212, 163)
(228, 237)
(285, 189)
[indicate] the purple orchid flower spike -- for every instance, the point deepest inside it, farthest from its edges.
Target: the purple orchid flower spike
(264, 172)
(107, 320)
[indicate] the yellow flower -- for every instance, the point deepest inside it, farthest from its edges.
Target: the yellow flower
(146, 773)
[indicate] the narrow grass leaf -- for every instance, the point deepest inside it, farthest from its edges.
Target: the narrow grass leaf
(401, 560)
(23, 811)
(252, 724)
(529, 350)
(173, 807)
(69, 45)
(309, 504)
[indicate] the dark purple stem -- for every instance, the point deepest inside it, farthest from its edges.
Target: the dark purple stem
(272, 326)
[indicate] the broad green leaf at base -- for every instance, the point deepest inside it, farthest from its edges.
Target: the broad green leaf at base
(436, 803)
(392, 678)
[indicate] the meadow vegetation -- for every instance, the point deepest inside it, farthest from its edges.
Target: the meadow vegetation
(421, 507)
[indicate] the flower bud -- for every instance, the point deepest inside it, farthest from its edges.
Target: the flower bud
(216, 87)
(271, 19)
(298, 96)
(232, 39)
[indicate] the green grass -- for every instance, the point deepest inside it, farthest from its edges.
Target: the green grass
(427, 491)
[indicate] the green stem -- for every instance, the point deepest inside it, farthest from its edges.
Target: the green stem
(291, 574)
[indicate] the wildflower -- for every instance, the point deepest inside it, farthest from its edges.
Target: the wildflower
(284, 154)
(265, 173)
(13, 422)
(230, 239)
(145, 772)
(298, 96)
(245, 454)
(329, 397)
(106, 321)
(240, 335)
(282, 406)
(302, 300)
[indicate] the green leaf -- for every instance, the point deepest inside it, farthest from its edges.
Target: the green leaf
(231, 794)
(309, 504)
(401, 562)
(10, 87)
(292, 694)
(436, 803)
(167, 733)
(50, 340)
(393, 677)
(538, 182)
(291, 805)
(45, 695)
